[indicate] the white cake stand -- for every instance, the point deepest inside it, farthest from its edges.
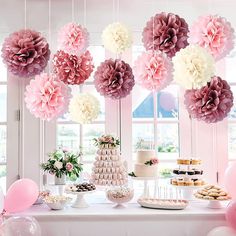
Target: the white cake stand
(146, 188)
(214, 204)
(80, 201)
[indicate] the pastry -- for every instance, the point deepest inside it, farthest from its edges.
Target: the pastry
(186, 162)
(190, 172)
(198, 183)
(176, 171)
(195, 162)
(181, 183)
(189, 183)
(179, 161)
(182, 172)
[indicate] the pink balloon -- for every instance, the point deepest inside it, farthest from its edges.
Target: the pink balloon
(21, 195)
(229, 180)
(231, 214)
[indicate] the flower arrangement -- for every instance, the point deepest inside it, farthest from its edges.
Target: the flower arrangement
(73, 69)
(211, 103)
(166, 32)
(47, 97)
(114, 79)
(26, 53)
(116, 37)
(62, 162)
(73, 38)
(107, 139)
(153, 70)
(84, 108)
(193, 67)
(153, 161)
(214, 33)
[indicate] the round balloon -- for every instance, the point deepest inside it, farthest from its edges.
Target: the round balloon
(21, 195)
(221, 231)
(229, 180)
(20, 226)
(231, 215)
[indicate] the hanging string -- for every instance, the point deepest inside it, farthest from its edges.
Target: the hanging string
(113, 10)
(73, 10)
(25, 16)
(85, 13)
(49, 27)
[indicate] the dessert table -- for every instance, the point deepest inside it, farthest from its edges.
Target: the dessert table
(103, 219)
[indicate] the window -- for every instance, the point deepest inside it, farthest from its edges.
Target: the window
(80, 137)
(155, 121)
(3, 125)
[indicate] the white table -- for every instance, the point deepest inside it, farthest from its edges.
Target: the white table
(103, 220)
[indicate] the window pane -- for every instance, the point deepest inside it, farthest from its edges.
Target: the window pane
(3, 72)
(143, 136)
(232, 141)
(89, 133)
(98, 54)
(230, 69)
(3, 140)
(168, 140)
(68, 136)
(3, 172)
(232, 113)
(3, 103)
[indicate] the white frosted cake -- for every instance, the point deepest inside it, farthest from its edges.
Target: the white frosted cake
(146, 164)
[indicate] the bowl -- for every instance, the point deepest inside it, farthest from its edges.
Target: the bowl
(56, 202)
(120, 195)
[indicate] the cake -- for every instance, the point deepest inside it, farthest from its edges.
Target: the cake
(108, 168)
(187, 173)
(146, 164)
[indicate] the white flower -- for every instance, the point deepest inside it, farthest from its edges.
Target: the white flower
(116, 37)
(193, 67)
(58, 165)
(84, 108)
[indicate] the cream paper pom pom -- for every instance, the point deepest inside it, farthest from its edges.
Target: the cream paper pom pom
(193, 67)
(116, 37)
(84, 108)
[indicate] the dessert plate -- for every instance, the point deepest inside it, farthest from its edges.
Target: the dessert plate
(167, 204)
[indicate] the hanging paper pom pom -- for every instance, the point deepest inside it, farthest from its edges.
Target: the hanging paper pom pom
(84, 108)
(72, 69)
(25, 53)
(73, 38)
(116, 38)
(214, 33)
(114, 79)
(153, 70)
(210, 103)
(47, 97)
(166, 32)
(193, 67)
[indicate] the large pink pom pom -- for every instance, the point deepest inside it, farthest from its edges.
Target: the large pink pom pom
(114, 79)
(26, 53)
(153, 70)
(47, 97)
(166, 32)
(72, 69)
(73, 38)
(210, 103)
(214, 33)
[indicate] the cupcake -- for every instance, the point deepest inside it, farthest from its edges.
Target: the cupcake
(189, 183)
(182, 172)
(176, 171)
(191, 172)
(198, 183)
(179, 161)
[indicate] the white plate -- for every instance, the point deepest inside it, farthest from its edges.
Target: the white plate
(160, 204)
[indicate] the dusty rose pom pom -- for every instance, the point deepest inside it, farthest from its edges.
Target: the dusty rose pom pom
(72, 69)
(153, 70)
(47, 97)
(114, 79)
(214, 33)
(73, 38)
(166, 32)
(26, 53)
(210, 103)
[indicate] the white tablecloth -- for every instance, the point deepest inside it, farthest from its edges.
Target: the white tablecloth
(104, 220)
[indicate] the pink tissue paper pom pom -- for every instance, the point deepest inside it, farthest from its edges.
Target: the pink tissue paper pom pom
(25, 53)
(73, 38)
(47, 97)
(211, 103)
(166, 32)
(72, 69)
(214, 33)
(114, 79)
(153, 70)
